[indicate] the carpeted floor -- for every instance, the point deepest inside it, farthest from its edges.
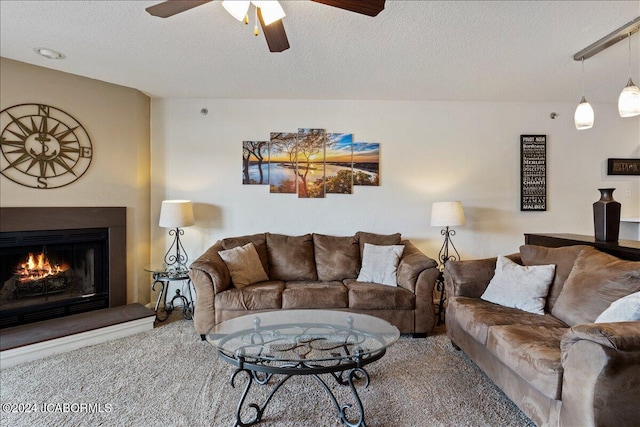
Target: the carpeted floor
(168, 377)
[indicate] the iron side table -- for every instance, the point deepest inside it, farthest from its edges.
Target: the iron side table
(163, 277)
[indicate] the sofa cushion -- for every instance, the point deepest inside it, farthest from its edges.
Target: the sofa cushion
(380, 264)
(533, 352)
(626, 309)
(372, 296)
(475, 316)
(261, 296)
(337, 258)
(314, 295)
(377, 239)
(596, 280)
(563, 257)
(259, 242)
(244, 265)
(521, 287)
(291, 257)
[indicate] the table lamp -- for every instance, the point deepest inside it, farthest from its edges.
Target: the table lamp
(175, 214)
(446, 214)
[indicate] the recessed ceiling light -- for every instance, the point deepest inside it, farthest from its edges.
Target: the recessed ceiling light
(49, 53)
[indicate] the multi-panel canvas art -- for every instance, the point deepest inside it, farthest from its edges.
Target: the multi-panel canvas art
(310, 163)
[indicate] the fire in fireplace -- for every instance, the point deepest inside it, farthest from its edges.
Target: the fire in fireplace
(46, 273)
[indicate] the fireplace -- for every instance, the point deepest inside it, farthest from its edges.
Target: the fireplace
(56, 262)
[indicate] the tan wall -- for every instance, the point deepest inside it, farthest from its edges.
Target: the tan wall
(117, 119)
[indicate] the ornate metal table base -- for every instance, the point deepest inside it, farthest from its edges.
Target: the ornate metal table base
(301, 368)
(163, 280)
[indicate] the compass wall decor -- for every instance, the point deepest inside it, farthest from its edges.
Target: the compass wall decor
(42, 146)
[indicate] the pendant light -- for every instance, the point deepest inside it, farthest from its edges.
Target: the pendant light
(629, 100)
(584, 116)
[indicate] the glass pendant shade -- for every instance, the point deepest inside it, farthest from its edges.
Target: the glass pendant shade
(271, 11)
(584, 116)
(237, 9)
(629, 100)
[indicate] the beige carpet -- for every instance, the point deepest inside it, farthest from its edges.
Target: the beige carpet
(168, 377)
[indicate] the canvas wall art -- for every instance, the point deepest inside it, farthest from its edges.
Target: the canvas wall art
(310, 163)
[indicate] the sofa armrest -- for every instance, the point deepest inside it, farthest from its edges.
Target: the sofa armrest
(471, 278)
(209, 275)
(412, 263)
(601, 363)
(210, 270)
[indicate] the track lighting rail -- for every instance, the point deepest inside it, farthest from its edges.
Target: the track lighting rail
(609, 40)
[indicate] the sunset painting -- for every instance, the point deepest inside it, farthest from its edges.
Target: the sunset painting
(282, 162)
(366, 163)
(254, 162)
(310, 163)
(339, 163)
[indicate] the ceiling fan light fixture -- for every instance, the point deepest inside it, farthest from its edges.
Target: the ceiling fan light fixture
(237, 8)
(271, 11)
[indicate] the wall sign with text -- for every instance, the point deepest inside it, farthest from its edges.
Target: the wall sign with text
(623, 166)
(533, 172)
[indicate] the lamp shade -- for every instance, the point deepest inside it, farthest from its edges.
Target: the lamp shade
(629, 100)
(447, 214)
(584, 116)
(176, 213)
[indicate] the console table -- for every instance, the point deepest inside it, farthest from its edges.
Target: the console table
(625, 249)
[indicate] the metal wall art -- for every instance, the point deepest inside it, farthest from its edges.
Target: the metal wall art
(533, 172)
(310, 163)
(42, 146)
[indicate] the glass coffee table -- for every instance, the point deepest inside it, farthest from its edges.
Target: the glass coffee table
(278, 345)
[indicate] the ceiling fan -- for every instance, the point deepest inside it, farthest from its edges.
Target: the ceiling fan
(269, 13)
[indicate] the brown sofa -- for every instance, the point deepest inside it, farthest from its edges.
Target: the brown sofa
(560, 368)
(319, 272)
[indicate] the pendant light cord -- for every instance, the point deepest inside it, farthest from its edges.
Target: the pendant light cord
(583, 77)
(629, 37)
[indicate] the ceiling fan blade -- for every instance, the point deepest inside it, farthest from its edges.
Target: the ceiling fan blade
(173, 7)
(365, 7)
(275, 34)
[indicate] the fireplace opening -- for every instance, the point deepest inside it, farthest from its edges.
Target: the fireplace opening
(52, 273)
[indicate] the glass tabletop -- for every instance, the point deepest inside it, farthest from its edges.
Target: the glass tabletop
(302, 336)
(167, 271)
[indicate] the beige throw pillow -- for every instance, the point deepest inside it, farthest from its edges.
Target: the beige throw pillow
(521, 287)
(244, 265)
(380, 264)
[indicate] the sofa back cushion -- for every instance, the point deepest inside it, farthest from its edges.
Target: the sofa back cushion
(291, 257)
(259, 242)
(337, 258)
(563, 258)
(596, 280)
(377, 239)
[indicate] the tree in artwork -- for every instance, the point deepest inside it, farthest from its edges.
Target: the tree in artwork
(253, 157)
(310, 162)
(282, 162)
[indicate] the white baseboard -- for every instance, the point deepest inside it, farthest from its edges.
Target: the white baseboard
(15, 356)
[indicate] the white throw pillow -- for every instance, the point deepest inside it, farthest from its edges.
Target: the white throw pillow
(380, 264)
(244, 265)
(625, 309)
(517, 286)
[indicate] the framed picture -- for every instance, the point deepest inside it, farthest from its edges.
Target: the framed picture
(533, 172)
(623, 166)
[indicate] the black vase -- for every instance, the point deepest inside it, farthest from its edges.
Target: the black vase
(606, 216)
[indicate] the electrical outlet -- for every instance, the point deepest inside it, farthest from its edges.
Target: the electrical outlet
(628, 192)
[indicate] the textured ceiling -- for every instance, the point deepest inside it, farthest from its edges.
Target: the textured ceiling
(413, 50)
